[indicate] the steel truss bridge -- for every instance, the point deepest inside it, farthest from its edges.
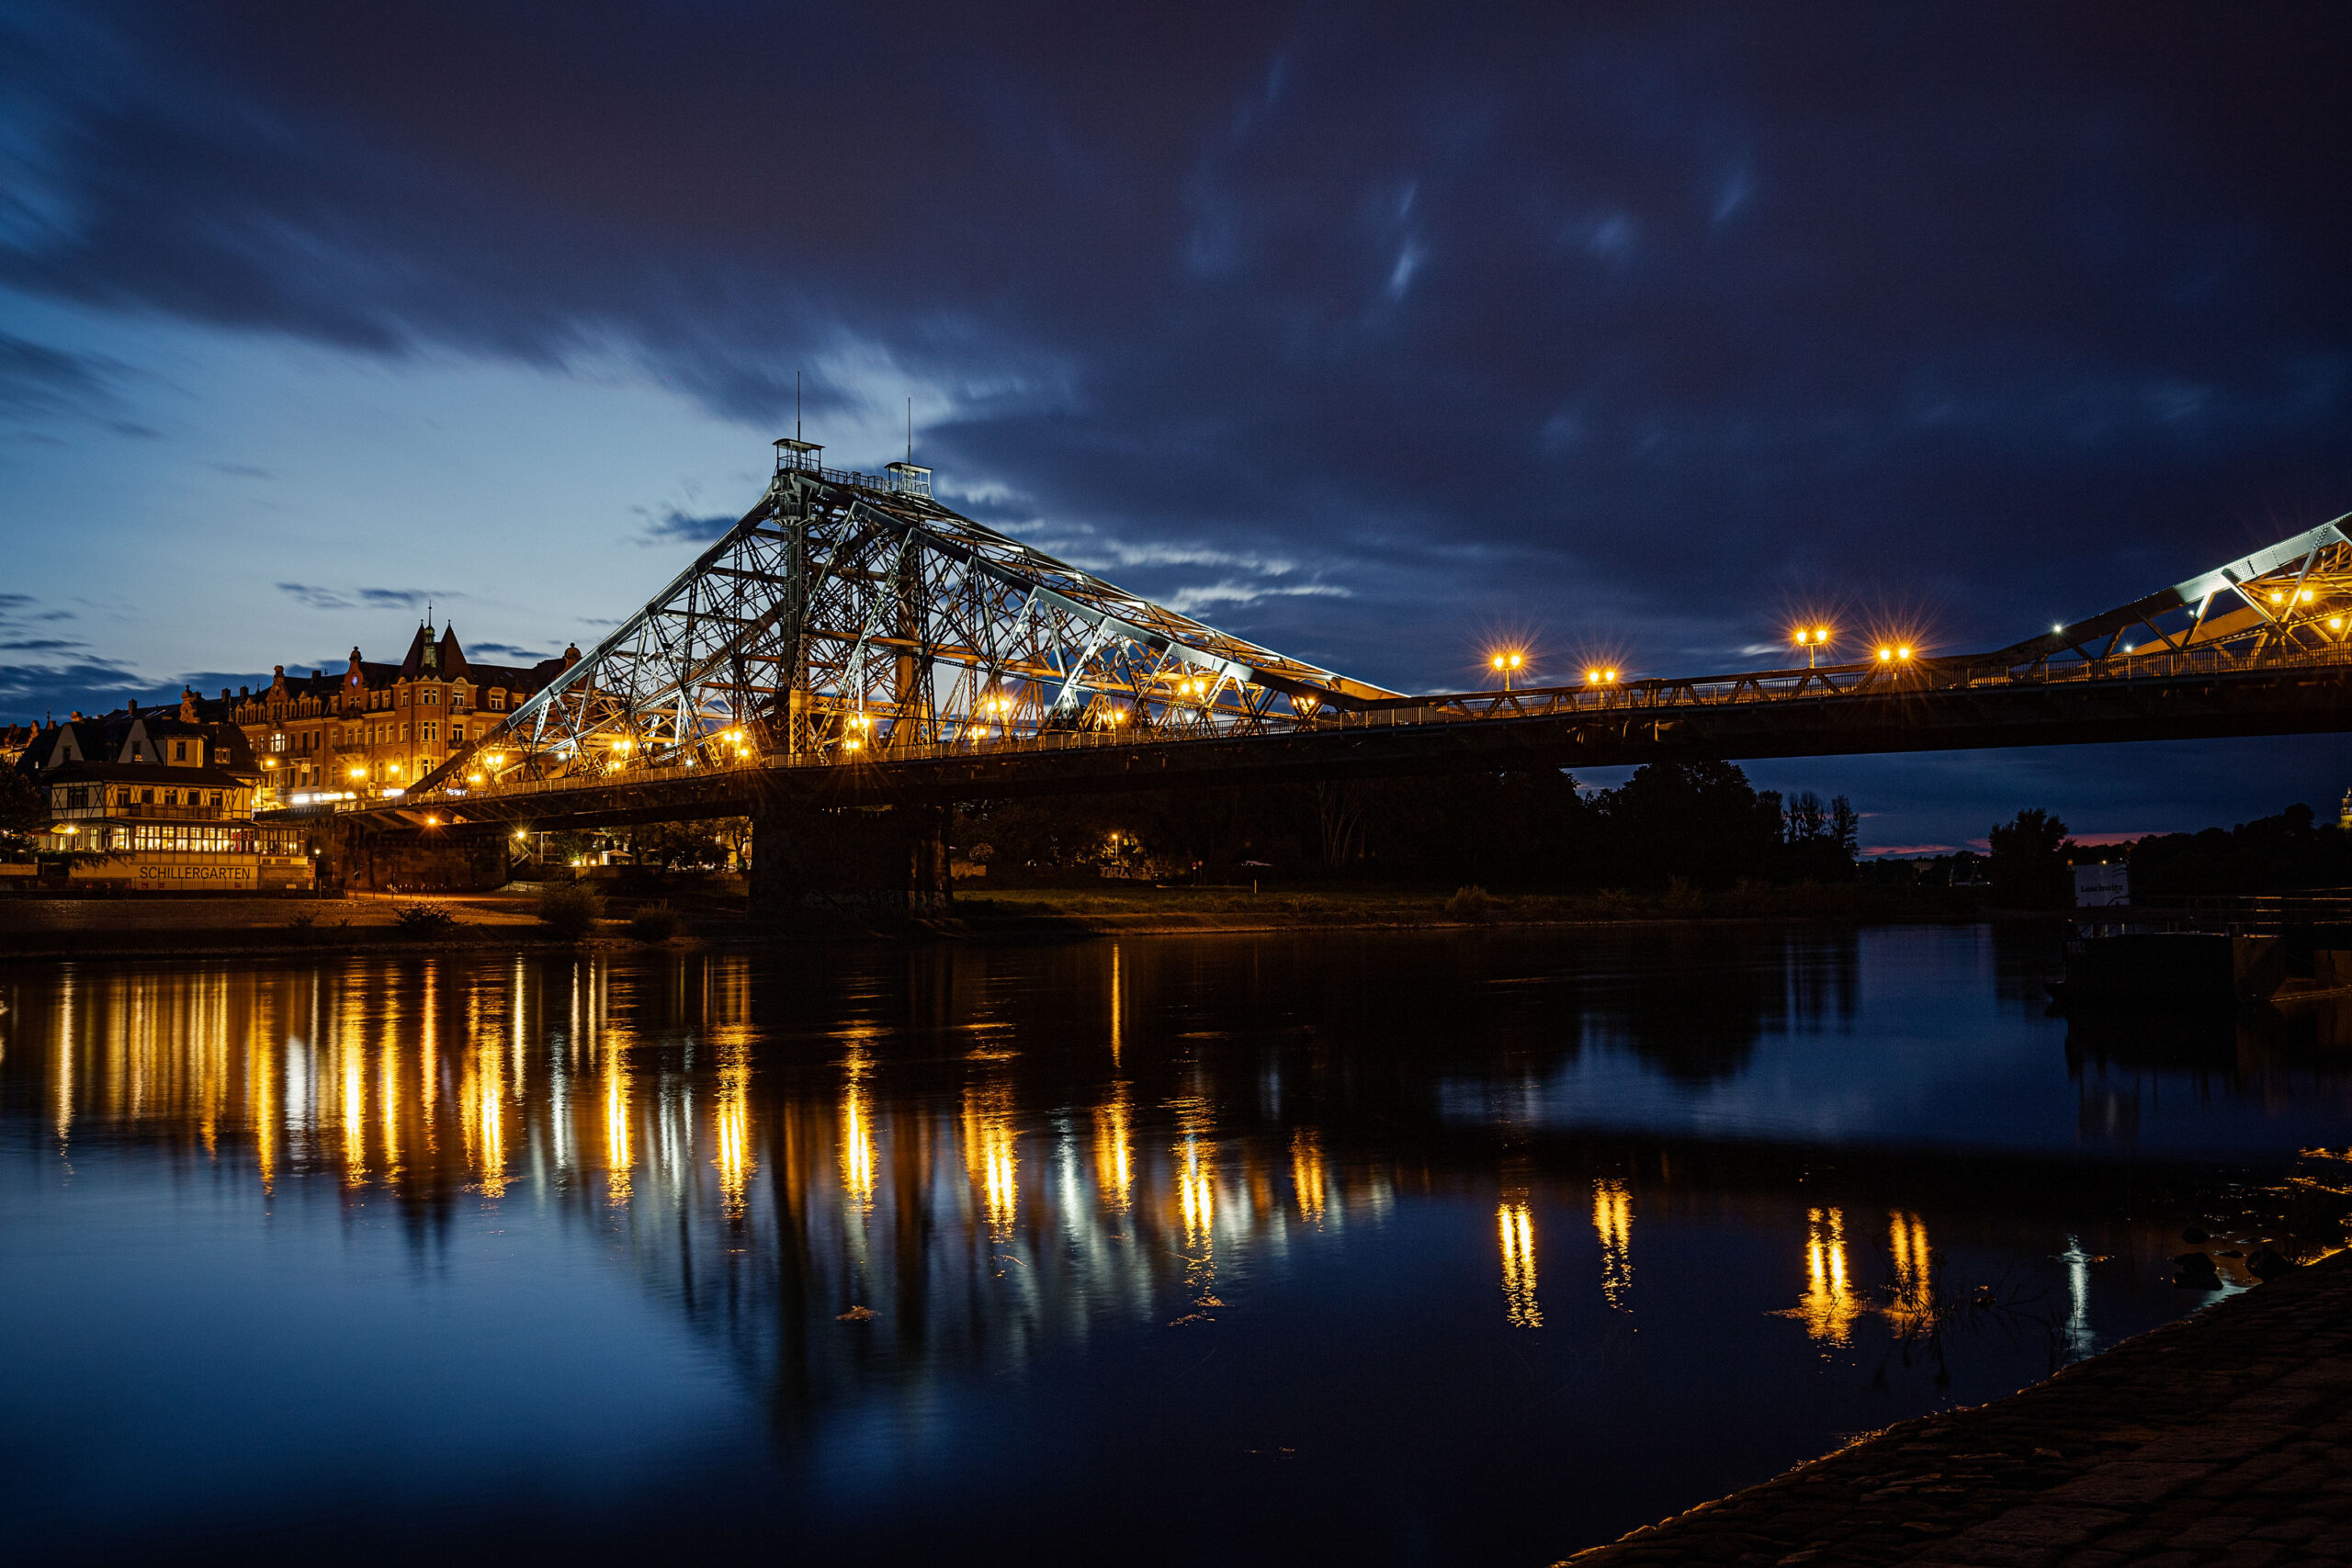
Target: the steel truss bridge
(853, 642)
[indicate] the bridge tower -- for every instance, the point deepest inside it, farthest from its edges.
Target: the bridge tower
(849, 621)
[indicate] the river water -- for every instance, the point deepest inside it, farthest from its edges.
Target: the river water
(1383, 1249)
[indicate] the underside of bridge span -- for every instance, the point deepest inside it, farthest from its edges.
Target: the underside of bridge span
(875, 834)
(853, 658)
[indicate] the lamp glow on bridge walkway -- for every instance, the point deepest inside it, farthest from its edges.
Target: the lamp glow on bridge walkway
(854, 618)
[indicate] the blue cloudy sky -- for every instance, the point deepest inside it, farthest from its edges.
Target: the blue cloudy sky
(1373, 333)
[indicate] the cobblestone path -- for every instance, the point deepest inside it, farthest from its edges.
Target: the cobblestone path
(2223, 1438)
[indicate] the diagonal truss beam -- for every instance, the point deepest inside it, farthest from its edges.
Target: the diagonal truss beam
(848, 613)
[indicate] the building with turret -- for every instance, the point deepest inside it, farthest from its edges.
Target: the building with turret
(370, 729)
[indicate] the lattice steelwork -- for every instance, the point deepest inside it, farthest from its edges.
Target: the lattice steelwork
(2289, 605)
(852, 615)
(2293, 599)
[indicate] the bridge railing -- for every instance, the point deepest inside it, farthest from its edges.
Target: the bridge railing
(1643, 696)
(1845, 681)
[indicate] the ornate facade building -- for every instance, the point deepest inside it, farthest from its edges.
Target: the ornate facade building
(159, 802)
(369, 729)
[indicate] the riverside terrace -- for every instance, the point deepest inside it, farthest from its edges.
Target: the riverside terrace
(851, 642)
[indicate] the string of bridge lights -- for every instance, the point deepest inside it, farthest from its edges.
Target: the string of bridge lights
(1508, 662)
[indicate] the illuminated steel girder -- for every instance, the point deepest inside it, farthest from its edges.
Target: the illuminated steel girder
(853, 614)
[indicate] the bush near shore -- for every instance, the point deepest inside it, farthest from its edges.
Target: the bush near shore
(571, 913)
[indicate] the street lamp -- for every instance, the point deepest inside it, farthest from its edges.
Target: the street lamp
(1507, 664)
(1813, 640)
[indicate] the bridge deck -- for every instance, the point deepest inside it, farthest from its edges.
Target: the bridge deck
(1775, 714)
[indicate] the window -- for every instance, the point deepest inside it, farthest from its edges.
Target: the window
(123, 797)
(179, 750)
(170, 797)
(432, 732)
(216, 800)
(277, 742)
(76, 795)
(498, 699)
(456, 733)
(431, 696)
(404, 734)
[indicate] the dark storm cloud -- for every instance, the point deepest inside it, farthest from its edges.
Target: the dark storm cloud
(313, 597)
(403, 598)
(40, 383)
(674, 524)
(505, 650)
(317, 598)
(1633, 325)
(30, 690)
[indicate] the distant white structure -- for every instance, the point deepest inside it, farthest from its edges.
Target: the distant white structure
(2102, 886)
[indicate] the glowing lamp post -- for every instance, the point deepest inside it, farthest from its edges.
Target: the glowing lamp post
(1813, 639)
(1507, 665)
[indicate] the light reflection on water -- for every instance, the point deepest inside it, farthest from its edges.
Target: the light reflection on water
(854, 1240)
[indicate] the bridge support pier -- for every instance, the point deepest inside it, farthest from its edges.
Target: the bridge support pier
(361, 856)
(868, 860)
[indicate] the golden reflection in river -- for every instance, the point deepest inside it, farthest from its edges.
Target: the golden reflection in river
(620, 1161)
(1829, 1306)
(1196, 1173)
(1118, 1008)
(484, 1098)
(1306, 1174)
(63, 1053)
(1613, 1221)
(345, 1073)
(990, 1157)
(268, 1121)
(387, 1094)
(857, 1132)
(1114, 1150)
(353, 1092)
(1516, 1221)
(1913, 1305)
(732, 1128)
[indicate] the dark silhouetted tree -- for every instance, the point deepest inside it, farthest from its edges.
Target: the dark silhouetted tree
(2028, 865)
(24, 812)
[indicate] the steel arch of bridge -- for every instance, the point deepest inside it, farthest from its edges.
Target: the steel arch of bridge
(851, 622)
(852, 615)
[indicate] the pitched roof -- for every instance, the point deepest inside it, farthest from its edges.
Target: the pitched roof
(145, 772)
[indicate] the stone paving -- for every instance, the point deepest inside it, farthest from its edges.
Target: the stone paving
(2221, 1439)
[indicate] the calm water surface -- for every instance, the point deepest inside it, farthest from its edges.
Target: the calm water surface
(1455, 1248)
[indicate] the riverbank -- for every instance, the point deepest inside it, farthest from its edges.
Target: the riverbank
(2221, 1439)
(34, 928)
